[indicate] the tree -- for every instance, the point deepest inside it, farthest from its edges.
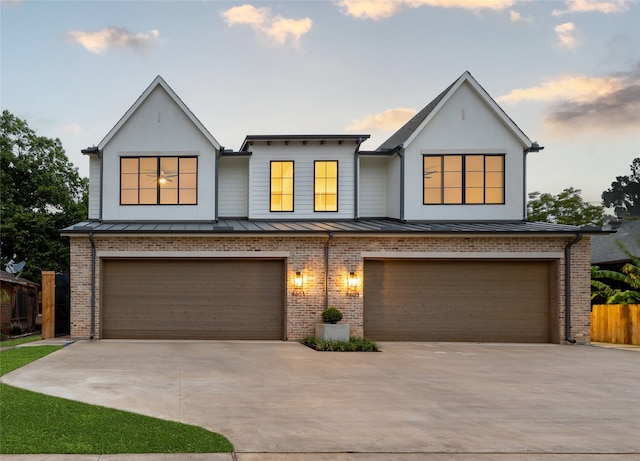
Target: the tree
(40, 193)
(624, 193)
(628, 278)
(564, 208)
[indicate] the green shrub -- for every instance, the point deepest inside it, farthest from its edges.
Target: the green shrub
(331, 315)
(353, 345)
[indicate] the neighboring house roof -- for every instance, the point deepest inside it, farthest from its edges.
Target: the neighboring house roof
(364, 226)
(301, 137)
(12, 279)
(605, 250)
(413, 127)
(158, 81)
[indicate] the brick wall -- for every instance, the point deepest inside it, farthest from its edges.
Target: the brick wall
(307, 255)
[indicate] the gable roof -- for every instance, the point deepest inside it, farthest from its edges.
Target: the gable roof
(414, 126)
(605, 250)
(159, 81)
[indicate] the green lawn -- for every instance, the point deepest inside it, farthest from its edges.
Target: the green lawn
(13, 359)
(15, 342)
(36, 423)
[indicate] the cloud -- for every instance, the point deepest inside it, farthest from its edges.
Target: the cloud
(582, 102)
(516, 17)
(274, 27)
(380, 9)
(619, 110)
(72, 128)
(578, 89)
(98, 42)
(566, 36)
(391, 119)
(600, 6)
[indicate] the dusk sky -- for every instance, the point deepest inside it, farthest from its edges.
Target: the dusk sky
(567, 72)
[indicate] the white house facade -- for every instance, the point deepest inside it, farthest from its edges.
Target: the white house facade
(422, 239)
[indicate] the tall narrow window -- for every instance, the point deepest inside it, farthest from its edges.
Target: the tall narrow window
(463, 179)
(281, 186)
(158, 180)
(494, 179)
(325, 186)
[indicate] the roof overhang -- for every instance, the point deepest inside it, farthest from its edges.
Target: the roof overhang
(303, 138)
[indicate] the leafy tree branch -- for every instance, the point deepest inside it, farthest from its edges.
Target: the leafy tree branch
(564, 208)
(41, 192)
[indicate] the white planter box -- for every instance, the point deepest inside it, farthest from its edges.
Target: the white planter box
(332, 331)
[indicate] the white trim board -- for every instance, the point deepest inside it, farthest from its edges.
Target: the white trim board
(461, 255)
(193, 254)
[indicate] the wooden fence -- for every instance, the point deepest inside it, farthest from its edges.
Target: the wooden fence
(615, 323)
(48, 304)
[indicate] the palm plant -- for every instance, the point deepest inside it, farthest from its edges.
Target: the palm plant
(629, 276)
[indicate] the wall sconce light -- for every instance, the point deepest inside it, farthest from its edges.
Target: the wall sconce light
(352, 284)
(298, 284)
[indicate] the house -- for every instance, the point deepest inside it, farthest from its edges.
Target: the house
(422, 239)
(18, 304)
(605, 251)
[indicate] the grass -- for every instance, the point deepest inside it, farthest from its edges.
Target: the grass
(353, 345)
(18, 341)
(13, 359)
(37, 423)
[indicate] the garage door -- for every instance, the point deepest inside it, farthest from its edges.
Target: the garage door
(487, 301)
(193, 299)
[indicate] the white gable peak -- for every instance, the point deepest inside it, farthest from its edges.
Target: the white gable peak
(159, 82)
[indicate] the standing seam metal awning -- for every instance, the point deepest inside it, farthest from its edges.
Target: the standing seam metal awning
(368, 226)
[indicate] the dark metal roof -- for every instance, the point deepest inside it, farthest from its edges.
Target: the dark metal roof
(604, 248)
(303, 137)
(363, 226)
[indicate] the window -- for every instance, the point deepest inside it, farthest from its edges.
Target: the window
(158, 180)
(325, 187)
(463, 179)
(281, 186)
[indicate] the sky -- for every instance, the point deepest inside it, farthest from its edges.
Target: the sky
(567, 72)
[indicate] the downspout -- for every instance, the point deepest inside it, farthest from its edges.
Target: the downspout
(101, 182)
(216, 188)
(567, 288)
(535, 147)
(524, 185)
(356, 204)
(326, 270)
(93, 286)
(401, 155)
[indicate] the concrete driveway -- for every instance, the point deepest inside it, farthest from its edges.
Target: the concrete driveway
(281, 397)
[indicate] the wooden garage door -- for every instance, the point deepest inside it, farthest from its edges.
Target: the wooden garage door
(488, 301)
(193, 299)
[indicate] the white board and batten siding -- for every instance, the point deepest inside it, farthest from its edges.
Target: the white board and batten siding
(233, 187)
(373, 187)
(303, 157)
(94, 187)
(393, 187)
(159, 127)
(465, 125)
